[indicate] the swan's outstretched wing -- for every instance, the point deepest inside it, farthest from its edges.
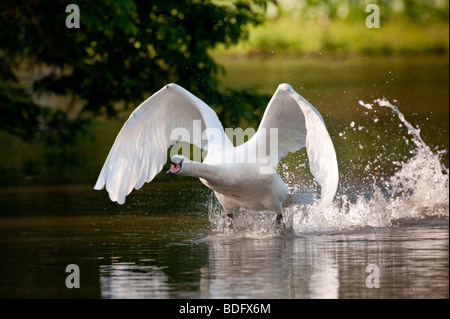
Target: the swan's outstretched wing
(140, 149)
(301, 125)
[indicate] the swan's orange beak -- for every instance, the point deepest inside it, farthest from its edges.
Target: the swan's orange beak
(174, 168)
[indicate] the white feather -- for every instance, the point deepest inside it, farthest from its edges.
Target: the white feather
(140, 149)
(301, 125)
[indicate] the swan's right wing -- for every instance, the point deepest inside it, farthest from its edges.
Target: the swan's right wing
(140, 149)
(300, 125)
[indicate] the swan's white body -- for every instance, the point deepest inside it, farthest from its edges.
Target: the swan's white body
(241, 176)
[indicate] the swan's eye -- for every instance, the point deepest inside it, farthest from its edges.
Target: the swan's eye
(174, 168)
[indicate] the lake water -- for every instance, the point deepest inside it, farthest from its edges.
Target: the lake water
(385, 236)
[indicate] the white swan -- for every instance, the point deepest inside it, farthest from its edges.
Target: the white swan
(241, 176)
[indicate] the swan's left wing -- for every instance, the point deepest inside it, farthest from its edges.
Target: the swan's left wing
(300, 125)
(140, 149)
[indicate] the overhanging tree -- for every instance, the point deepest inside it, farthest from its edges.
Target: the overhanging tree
(123, 51)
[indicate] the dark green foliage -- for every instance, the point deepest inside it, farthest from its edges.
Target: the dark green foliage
(123, 51)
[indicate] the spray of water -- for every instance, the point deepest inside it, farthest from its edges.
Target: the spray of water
(418, 189)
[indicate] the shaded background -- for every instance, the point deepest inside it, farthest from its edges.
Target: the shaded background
(65, 92)
(56, 80)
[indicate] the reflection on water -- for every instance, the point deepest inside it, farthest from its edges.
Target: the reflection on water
(329, 266)
(269, 268)
(128, 280)
(142, 257)
(169, 241)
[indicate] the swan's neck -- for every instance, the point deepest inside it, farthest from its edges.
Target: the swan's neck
(200, 170)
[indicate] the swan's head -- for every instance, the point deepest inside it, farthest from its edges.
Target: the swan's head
(176, 164)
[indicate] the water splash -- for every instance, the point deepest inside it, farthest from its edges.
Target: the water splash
(246, 223)
(413, 188)
(417, 190)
